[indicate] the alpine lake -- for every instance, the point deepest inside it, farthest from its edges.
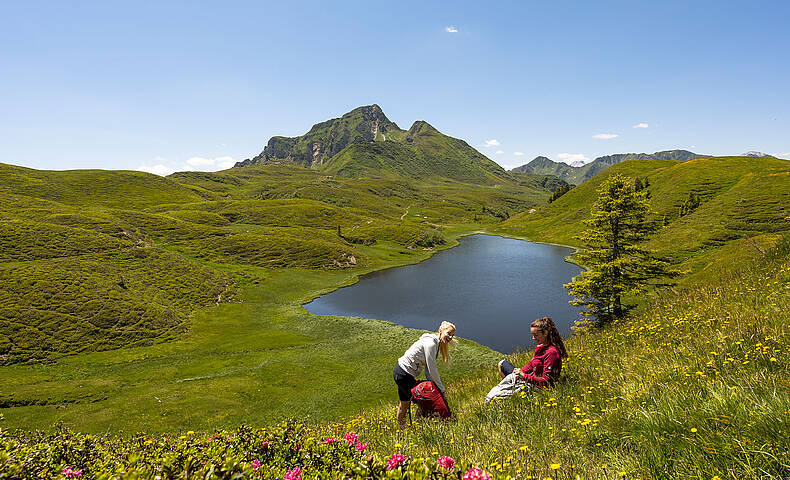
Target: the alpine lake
(490, 287)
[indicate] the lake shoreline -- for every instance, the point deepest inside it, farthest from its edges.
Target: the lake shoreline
(486, 288)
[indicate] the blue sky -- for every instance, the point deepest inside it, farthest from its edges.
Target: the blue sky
(166, 86)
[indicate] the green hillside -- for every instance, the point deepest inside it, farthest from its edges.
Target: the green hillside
(744, 204)
(188, 289)
(95, 187)
(693, 385)
(364, 143)
(424, 154)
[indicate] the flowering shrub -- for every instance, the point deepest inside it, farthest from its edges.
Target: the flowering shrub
(290, 451)
(395, 461)
(69, 473)
(293, 474)
(476, 474)
(351, 438)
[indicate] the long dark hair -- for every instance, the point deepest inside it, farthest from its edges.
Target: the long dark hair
(546, 324)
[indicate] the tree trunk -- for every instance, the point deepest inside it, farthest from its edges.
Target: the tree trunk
(616, 271)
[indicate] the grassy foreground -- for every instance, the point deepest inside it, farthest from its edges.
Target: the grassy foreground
(696, 387)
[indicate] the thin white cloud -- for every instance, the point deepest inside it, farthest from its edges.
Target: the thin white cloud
(783, 155)
(518, 154)
(499, 152)
(451, 29)
(162, 166)
(507, 165)
(640, 125)
(605, 136)
(211, 164)
(491, 143)
(200, 162)
(161, 170)
(570, 158)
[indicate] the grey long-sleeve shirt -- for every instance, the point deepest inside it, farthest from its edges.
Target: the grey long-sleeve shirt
(423, 352)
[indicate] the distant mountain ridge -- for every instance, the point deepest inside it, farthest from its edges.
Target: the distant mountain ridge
(576, 175)
(365, 143)
(757, 154)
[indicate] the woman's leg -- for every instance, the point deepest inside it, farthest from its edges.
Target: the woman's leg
(403, 412)
(505, 368)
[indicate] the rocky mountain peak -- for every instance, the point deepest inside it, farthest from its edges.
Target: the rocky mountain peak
(541, 160)
(421, 127)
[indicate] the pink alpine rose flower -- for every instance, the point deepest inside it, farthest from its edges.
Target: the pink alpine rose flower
(361, 446)
(351, 437)
(476, 474)
(69, 473)
(329, 440)
(395, 461)
(256, 464)
(293, 474)
(446, 462)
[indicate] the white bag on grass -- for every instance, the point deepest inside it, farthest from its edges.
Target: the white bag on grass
(509, 386)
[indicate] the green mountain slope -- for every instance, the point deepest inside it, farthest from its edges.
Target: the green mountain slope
(364, 143)
(739, 198)
(97, 187)
(424, 154)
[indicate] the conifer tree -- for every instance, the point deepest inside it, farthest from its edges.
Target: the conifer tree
(616, 263)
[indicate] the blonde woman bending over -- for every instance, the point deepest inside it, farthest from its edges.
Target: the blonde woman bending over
(423, 352)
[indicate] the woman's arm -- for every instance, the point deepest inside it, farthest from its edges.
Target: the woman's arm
(431, 349)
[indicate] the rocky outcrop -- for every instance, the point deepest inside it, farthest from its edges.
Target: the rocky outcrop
(325, 139)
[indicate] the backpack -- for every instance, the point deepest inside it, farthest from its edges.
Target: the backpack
(430, 400)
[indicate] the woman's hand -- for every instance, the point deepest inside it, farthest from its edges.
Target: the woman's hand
(518, 373)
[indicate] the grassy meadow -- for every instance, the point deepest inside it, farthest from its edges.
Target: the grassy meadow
(177, 302)
(695, 384)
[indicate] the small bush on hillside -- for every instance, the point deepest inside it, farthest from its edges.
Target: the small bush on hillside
(429, 238)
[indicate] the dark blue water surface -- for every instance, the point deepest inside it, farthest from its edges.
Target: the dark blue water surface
(490, 287)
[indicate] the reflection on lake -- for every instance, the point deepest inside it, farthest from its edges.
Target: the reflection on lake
(490, 287)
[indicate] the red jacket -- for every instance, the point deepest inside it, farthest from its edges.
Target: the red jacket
(545, 366)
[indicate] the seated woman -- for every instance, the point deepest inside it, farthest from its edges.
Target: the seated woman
(544, 368)
(546, 364)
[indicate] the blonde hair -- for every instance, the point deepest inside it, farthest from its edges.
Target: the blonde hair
(444, 347)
